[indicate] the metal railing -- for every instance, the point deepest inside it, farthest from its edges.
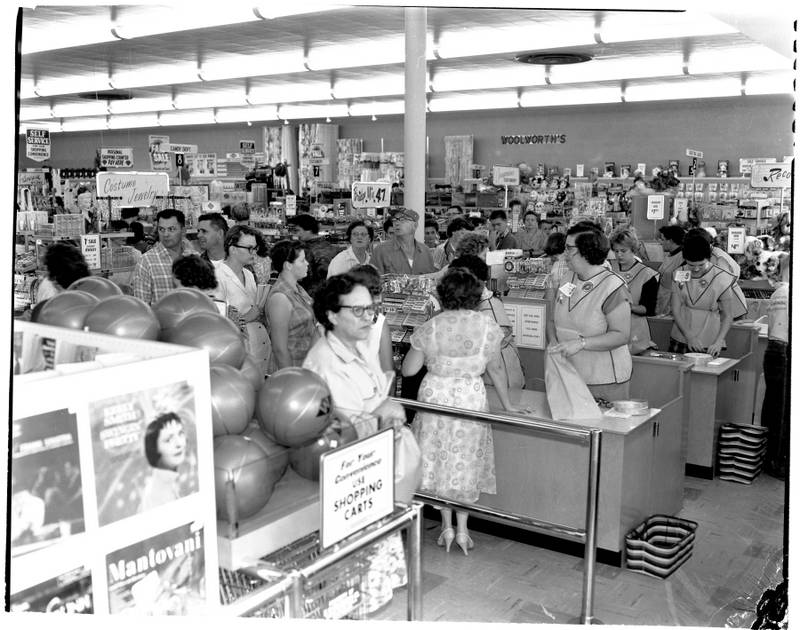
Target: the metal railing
(587, 536)
(290, 588)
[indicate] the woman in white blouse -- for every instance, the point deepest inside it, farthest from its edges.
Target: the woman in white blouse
(360, 236)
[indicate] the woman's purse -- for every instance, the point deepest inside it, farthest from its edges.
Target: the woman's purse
(407, 465)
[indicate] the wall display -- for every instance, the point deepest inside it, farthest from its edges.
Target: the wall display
(348, 150)
(191, 200)
(457, 159)
(316, 145)
(37, 144)
(70, 592)
(272, 145)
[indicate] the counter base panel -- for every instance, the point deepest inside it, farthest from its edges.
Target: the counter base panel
(701, 472)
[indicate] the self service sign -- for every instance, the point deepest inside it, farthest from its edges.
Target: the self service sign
(356, 486)
(37, 143)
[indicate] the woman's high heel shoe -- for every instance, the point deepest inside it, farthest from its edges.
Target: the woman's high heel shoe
(446, 538)
(464, 541)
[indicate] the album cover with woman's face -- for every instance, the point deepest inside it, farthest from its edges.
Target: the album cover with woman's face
(145, 450)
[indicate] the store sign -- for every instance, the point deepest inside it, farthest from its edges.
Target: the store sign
(291, 205)
(371, 194)
(247, 147)
(356, 486)
(132, 189)
(746, 164)
(159, 156)
(90, 248)
(37, 144)
(201, 164)
(505, 175)
(692, 153)
(655, 207)
(777, 175)
(116, 157)
(316, 155)
(682, 209)
(179, 148)
(26, 179)
(535, 138)
(736, 238)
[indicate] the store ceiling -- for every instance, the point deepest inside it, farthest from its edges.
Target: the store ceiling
(198, 65)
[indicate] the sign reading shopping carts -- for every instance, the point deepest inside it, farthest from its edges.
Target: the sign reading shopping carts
(371, 194)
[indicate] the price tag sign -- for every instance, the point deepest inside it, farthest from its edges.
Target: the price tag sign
(692, 153)
(505, 175)
(641, 166)
(579, 170)
(291, 205)
(371, 194)
(90, 248)
(655, 206)
(356, 486)
(736, 240)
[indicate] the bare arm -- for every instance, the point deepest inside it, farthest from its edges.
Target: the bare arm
(385, 350)
(726, 318)
(280, 310)
(413, 362)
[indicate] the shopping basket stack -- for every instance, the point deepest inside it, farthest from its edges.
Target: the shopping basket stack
(741, 451)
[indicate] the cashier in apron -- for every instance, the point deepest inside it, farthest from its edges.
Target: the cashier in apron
(591, 317)
(703, 302)
(671, 238)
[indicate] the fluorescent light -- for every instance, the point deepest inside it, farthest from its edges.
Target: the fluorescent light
(26, 88)
(687, 89)
(380, 108)
(519, 75)
(777, 83)
(35, 112)
(740, 59)
(136, 105)
(290, 93)
(548, 97)
(238, 66)
(84, 124)
(73, 84)
(143, 21)
(245, 114)
(633, 26)
(54, 126)
(471, 42)
(80, 110)
(295, 112)
(615, 69)
(131, 121)
(202, 117)
(273, 11)
(210, 99)
(500, 100)
(387, 85)
(364, 52)
(162, 74)
(65, 33)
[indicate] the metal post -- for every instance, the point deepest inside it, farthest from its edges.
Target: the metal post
(414, 595)
(297, 610)
(590, 550)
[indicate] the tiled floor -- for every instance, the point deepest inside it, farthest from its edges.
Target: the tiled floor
(737, 555)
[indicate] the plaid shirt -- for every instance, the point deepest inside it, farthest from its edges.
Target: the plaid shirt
(152, 276)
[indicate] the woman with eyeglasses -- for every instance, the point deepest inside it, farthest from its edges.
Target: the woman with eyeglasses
(359, 388)
(290, 314)
(237, 286)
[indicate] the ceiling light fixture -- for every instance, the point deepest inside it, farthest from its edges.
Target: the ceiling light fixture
(504, 77)
(683, 89)
(137, 105)
(388, 50)
(133, 121)
(381, 85)
(741, 59)
(290, 92)
(243, 114)
(773, 83)
(84, 124)
(374, 118)
(179, 118)
(80, 110)
(547, 97)
(466, 102)
(225, 67)
(618, 69)
(624, 26)
(377, 108)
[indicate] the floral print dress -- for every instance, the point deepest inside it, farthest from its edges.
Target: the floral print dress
(457, 455)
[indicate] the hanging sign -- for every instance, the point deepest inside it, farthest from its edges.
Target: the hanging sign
(682, 209)
(356, 486)
(201, 164)
(30, 178)
(159, 156)
(746, 164)
(316, 155)
(37, 144)
(247, 147)
(179, 148)
(291, 205)
(505, 175)
(694, 154)
(90, 248)
(736, 240)
(655, 207)
(116, 157)
(371, 194)
(131, 188)
(776, 175)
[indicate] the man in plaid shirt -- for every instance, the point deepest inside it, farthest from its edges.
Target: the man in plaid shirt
(152, 276)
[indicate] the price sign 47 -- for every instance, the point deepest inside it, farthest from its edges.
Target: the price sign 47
(371, 194)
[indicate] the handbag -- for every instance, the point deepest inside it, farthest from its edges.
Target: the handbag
(568, 396)
(407, 465)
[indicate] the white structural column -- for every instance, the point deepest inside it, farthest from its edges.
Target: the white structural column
(416, 20)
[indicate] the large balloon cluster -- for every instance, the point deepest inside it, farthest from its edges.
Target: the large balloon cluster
(259, 426)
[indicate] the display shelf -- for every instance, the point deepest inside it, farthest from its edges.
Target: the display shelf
(291, 513)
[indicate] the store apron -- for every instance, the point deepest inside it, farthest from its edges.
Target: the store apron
(699, 304)
(582, 314)
(640, 339)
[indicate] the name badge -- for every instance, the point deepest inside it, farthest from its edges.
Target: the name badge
(682, 275)
(567, 289)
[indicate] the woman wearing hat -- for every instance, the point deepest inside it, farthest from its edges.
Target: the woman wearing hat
(403, 253)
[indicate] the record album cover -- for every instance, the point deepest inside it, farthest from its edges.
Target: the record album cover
(145, 450)
(67, 593)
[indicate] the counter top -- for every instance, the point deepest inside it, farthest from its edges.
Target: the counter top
(537, 401)
(716, 367)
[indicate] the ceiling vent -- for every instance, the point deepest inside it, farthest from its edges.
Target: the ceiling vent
(552, 59)
(107, 95)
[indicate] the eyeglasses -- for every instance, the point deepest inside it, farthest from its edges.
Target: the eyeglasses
(250, 249)
(358, 311)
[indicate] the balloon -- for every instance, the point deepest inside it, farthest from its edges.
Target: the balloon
(179, 303)
(294, 406)
(67, 309)
(233, 400)
(244, 477)
(273, 450)
(252, 372)
(123, 316)
(305, 459)
(217, 334)
(97, 286)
